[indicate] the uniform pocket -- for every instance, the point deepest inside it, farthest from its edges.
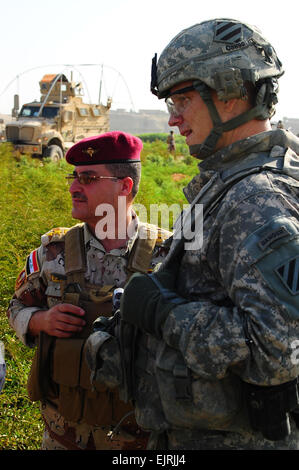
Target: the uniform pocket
(191, 401)
(67, 358)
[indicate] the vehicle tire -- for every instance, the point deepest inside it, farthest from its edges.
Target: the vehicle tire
(54, 152)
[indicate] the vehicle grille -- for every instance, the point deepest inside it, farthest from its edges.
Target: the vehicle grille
(22, 134)
(26, 133)
(12, 133)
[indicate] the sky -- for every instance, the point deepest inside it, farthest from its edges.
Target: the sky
(118, 39)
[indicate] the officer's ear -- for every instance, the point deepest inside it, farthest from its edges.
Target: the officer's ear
(126, 186)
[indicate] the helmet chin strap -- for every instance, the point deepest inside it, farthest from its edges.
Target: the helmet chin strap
(208, 147)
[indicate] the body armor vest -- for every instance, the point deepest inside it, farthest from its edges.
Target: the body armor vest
(59, 372)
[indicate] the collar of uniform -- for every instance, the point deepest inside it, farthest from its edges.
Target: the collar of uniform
(227, 156)
(91, 240)
(262, 142)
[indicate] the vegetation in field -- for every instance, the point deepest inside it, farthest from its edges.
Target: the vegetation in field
(33, 199)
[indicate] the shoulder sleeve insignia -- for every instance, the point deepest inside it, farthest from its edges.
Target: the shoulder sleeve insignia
(21, 279)
(273, 249)
(54, 235)
(32, 263)
(289, 275)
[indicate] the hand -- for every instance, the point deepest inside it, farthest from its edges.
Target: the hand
(146, 305)
(61, 320)
(104, 359)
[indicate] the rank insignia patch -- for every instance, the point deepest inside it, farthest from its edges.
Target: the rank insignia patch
(289, 274)
(32, 265)
(228, 32)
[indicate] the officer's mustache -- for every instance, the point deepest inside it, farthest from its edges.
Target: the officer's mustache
(79, 196)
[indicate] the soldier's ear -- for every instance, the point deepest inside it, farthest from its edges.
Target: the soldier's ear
(126, 186)
(231, 108)
(229, 105)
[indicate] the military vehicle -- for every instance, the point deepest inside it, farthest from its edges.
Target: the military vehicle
(49, 127)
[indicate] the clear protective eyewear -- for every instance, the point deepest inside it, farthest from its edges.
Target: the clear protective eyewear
(178, 106)
(86, 178)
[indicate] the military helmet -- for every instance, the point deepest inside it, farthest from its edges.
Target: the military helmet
(223, 55)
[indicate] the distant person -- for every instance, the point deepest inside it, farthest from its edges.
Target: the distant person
(69, 281)
(214, 365)
(280, 125)
(171, 142)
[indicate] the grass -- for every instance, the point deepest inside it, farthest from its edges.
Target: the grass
(33, 199)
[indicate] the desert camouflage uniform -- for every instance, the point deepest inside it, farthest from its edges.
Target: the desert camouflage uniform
(242, 312)
(103, 268)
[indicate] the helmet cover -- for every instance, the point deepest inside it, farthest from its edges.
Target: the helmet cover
(222, 53)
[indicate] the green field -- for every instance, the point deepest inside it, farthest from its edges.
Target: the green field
(33, 199)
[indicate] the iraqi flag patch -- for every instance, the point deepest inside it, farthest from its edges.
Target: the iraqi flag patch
(32, 264)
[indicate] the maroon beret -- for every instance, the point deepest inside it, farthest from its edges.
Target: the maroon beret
(111, 147)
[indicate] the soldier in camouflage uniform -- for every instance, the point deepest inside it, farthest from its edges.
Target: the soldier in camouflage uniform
(68, 281)
(215, 362)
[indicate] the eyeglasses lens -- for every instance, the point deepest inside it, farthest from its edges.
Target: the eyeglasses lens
(177, 107)
(83, 178)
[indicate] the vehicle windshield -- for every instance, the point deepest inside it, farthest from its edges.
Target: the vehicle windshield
(32, 111)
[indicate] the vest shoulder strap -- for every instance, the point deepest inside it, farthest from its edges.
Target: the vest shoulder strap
(75, 259)
(149, 236)
(75, 262)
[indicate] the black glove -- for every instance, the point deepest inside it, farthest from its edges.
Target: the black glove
(146, 303)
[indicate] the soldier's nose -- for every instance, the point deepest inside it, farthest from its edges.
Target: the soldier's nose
(175, 120)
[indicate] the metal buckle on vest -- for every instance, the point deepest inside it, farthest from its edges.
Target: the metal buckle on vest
(182, 382)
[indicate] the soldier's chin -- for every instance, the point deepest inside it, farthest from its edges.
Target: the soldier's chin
(188, 137)
(78, 214)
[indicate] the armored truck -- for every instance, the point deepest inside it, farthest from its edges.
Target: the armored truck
(49, 127)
